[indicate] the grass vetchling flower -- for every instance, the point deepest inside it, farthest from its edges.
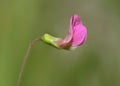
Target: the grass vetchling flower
(76, 36)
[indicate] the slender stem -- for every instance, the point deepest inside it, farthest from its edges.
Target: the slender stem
(25, 59)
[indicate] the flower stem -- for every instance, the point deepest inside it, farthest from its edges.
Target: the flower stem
(25, 59)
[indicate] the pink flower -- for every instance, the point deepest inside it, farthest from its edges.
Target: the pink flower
(76, 36)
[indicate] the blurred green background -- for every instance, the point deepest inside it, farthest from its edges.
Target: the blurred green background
(97, 63)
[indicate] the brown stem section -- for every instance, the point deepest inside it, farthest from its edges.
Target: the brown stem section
(25, 59)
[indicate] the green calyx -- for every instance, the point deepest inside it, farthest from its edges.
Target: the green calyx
(50, 40)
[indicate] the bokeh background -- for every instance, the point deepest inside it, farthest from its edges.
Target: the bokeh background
(97, 63)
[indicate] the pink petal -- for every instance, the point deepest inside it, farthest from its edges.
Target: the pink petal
(79, 35)
(75, 20)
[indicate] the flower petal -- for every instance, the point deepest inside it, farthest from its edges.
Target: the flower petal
(79, 35)
(75, 20)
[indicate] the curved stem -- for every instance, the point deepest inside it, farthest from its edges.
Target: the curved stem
(25, 59)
